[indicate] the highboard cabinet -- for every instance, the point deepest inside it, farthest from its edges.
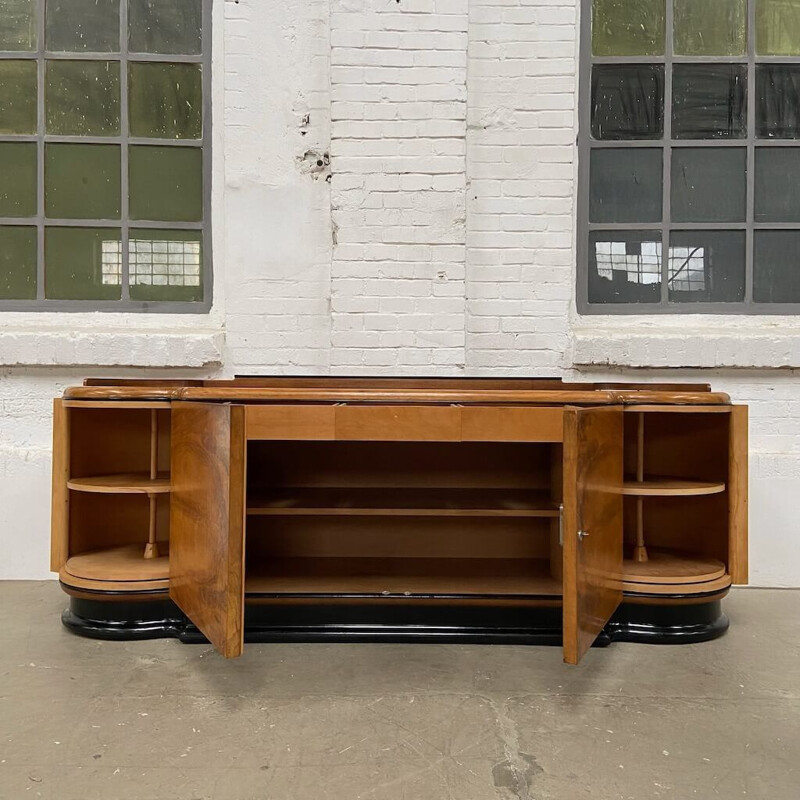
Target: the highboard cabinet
(478, 510)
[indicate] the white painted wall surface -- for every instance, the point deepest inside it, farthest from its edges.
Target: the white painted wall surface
(443, 244)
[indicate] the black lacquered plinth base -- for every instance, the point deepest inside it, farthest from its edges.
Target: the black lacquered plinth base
(383, 622)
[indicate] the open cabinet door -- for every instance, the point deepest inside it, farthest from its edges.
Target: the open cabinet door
(592, 524)
(207, 511)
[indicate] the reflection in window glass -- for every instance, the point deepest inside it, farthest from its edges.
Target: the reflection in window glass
(166, 265)
(625, 267)
(706, 266)
(628, 101)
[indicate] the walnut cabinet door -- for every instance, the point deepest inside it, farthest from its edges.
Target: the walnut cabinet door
(592, 569)
(207, 520)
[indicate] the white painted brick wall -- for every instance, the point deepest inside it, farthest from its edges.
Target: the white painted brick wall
(443, 243)
(398, 157)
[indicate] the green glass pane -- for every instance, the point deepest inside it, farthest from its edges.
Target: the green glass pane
(165, 26)
(628, 27)
(710, 27)
(166, 183)
(17, 97)
(166, 100)
(17, 179)
(17, 24)
(166, 265)
(82, 181)
(82, 98)
(83, 26)
(17, 263)
(82, 264)
(778, 28)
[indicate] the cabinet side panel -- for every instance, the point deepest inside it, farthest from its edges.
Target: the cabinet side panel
(59, 526)
(737, 495)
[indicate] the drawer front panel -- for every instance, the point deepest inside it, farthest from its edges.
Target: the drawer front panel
(290, 422)
(398, 423)
(512, 424)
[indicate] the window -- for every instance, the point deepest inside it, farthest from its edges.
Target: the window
(105, 155)
(689, 156)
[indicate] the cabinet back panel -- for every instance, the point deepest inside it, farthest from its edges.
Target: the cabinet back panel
(399, 464)
(397, 537)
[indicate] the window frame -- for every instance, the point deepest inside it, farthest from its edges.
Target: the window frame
(124, 140)
(666, 144)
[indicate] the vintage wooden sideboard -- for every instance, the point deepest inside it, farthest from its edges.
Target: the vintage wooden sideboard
(513, 510)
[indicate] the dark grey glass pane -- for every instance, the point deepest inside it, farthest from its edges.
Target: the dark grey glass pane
(83, 264)
(624, 267)
(706, 266)
(17, 263)
(165, 26)
(709, 184)
(17, 24)
(83, 26)
(628, 101)
(82, 181)
(625, 185)
(709, 101)
(166, 100)
(777, 182)
(82, 98)
(778, 101)
(776, 267)
(166, 265)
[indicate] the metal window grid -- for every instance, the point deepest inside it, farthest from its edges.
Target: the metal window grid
(124, 140)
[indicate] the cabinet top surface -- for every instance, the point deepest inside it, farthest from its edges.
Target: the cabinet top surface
(327, 390)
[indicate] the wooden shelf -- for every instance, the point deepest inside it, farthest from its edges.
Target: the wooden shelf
(125, 483)
(674, 573)
(401, 502)
(124, 564)
(670, 487)
(402, 577)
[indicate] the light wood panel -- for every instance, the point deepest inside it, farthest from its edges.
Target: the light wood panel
(59, 515)
(207, 520)
(398, 423)
(403, 576)
(664, 567)
(671, 487)
(353, 501)
(286, 422)
(592, 504)
(737, 495)
(512, 424)
(127, 483)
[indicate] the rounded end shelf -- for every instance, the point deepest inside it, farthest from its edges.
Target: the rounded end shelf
(674, 573)
(126, 483)
(118, 569)
(670, 487)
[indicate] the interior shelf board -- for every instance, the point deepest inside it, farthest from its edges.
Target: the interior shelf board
(362, 501)
(402, 577)
(125, 563)
(670, 487)
(671, 569)
(124, 483)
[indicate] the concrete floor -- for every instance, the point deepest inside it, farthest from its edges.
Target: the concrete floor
(81, 719)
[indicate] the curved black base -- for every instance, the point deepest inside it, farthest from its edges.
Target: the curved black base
(653, 624)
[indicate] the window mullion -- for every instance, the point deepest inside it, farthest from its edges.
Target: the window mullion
(751, 161)
(124, 131)
(40, 133)
(667, 154)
